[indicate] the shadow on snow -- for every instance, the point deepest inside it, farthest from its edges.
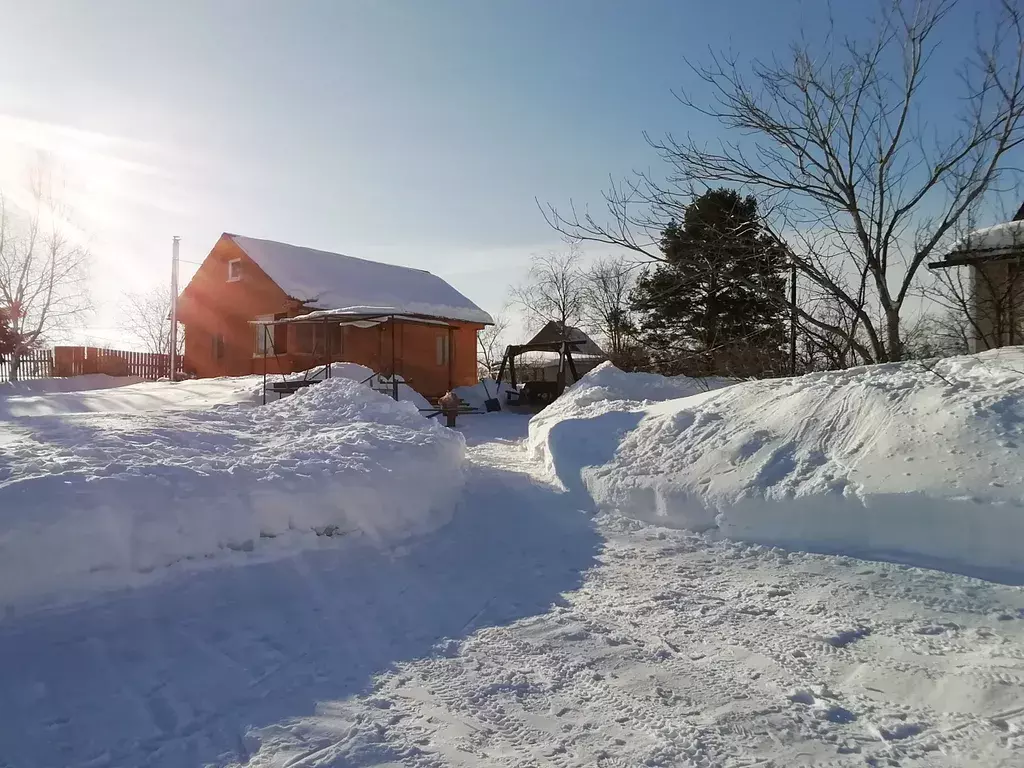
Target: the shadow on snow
(176, 673)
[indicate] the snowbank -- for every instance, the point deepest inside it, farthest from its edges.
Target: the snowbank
(109, 394)
(98, 499)
(891, 461)
(361, 374)
(69, 384)
(603, 397)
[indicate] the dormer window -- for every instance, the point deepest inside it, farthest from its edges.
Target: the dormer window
(234, 270)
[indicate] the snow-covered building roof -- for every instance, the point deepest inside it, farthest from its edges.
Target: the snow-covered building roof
(552, 333)
(1005, 236)
(333, 281)
(987, 244)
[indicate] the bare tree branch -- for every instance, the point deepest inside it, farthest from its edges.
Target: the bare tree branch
(553, 290)
(831, 139)
(606, 288)
(491, 344)
(146, 316)
(43, 273)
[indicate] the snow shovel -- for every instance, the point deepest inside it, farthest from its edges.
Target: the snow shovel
(491, 404)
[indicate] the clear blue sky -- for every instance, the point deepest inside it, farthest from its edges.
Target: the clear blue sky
(413, 132)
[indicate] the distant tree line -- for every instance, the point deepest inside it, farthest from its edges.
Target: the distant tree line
(713, 304)
(717, 302)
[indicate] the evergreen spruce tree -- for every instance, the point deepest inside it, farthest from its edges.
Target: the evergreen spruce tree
(716, 304)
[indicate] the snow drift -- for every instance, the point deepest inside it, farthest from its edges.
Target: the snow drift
(96, 499)
(602, 405)
(478, 394)
(911, 462)
(99, 393)
(122, 394)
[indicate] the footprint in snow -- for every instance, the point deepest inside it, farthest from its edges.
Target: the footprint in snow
(900, 731)
(823, 708)
(845, 637)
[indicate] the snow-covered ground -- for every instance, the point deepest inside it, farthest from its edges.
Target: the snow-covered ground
(529, 630)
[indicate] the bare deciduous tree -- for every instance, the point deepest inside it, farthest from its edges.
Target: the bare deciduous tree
(937, 334)
(553, 289)
(43, 272)
(146, 316)
(606, 288)
(833, 140)
(490, 345)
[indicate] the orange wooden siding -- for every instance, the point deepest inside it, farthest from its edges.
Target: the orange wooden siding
(220, 339)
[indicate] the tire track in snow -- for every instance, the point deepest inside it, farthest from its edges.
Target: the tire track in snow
(681, 650)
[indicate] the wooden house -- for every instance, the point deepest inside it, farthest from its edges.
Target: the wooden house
(404, 321)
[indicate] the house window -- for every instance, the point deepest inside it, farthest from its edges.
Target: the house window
(234, 270)
(264, 337)
(218, 346)
(442, 350)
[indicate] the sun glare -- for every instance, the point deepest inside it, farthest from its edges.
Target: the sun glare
(87, 176)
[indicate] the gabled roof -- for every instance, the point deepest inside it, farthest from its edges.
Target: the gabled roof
(332, 281)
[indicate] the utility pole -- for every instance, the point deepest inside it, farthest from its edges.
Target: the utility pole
(174, 309)
(792, 320)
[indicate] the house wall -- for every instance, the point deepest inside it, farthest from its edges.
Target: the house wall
(212, 307)
(423, 365)
(997, 305)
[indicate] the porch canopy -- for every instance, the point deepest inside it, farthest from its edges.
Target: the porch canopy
(355, 317)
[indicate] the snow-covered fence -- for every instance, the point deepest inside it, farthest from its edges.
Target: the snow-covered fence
(35, 364)
(77, 361)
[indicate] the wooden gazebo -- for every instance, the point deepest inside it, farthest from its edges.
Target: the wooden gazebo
(553, 337)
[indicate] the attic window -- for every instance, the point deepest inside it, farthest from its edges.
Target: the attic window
(234, 270)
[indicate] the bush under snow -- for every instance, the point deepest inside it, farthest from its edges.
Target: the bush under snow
(921, 464)
(96, 499)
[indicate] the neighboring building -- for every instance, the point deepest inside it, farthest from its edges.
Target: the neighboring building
(431, 344)
(994, 295)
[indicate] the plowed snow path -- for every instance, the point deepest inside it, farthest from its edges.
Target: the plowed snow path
(525, 633)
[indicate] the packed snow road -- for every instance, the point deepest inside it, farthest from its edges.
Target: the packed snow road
(527, 631)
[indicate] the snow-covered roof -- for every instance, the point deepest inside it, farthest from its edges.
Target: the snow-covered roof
(1002, 238)
(552, 333)
(328, 280)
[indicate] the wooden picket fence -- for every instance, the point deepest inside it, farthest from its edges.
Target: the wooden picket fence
(79, 361)
(36, 364)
